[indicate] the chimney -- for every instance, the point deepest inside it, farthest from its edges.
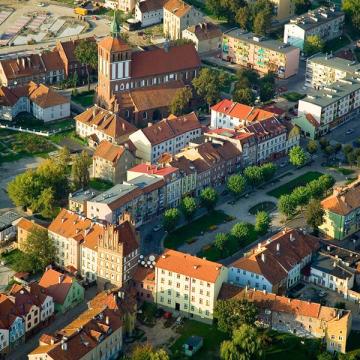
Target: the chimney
(292, 237)
(107, 320)
(23, 62)
(63, 345)
(278, 247)
(263, 257)
(60, 278)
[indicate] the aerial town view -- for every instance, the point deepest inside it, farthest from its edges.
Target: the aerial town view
(179, 179)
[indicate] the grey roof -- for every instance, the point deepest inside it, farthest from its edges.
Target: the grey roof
(332, 93)
(83, 195)
(144, 180)
(332, 267)
(315, 18)
(7, 219)
(352, 67)
(261, 41)
(114, 193)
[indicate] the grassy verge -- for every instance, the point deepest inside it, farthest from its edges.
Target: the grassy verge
(189, 231)
(211, 335)
(85, 98)
(100, 184)
(11, 258)
(293, 96)
(301, 180)
(343, 171)
(212, 253)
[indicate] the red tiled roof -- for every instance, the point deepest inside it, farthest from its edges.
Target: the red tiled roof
(114, 44)
(69, 47)
(109, 151)
(154, 169)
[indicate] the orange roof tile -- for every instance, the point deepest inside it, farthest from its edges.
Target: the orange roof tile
(27, 224)
(109, 151)
(177, 7)
(113, 44)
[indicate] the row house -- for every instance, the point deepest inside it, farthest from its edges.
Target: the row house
(260, 54)
(323, 110)
(178, 16)
(325, 69)
(96, 333)
(171, 177)
(297, 317)
(97, 124)
(327, 23)
(149, 12)
(342, 212)
(121, 68)
(275, 265)
(105, 253)
(169, 135)
(111, 161)
(188, 284)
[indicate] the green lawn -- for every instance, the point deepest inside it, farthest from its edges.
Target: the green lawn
(212, 340)
(11, 258)
(100, 184)
(267, 206)
(85, 98)
(71, 134)
(293, 96)
(336, 44)
(195, 228)
(345, 171)
(214, 254)
(301, 180)
(287, 346)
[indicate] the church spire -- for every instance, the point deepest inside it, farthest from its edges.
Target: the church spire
(114, 27)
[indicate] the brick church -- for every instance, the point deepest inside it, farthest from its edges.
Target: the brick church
(122, 68)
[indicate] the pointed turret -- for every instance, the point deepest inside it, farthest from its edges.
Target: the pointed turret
(114, 27)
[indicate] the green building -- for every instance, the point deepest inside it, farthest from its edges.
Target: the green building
(342, 212)
(307, 124)
(65, 290)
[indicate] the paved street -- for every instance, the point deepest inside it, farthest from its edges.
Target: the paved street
(20, 353)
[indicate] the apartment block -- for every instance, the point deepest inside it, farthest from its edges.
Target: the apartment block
(326, 69)
(188, 284)
(342, 212)
(169, 135)
(327, 23)
(321, 111)
(178, 15)
(302, 318)
(275, 265)
(260, 54)
(78, 200)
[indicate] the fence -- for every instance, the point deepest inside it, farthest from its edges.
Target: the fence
(45, 133)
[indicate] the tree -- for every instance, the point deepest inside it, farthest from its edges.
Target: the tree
(312, 147)
(313, 44)
(267, 91)
(302, 6)
(230, 314)
(244, 96)
(268, 171)
(287, 205)
(324, 142)
(262, 222)
(188, 207)
(245, 344)
(147, 352)
(209, 198)
(301, 195)
(352, 9)
(246, 78)
(86, 53)
(253, 175)
(220, 241)
(46, 203)
(297, 156)
(325, 356)
(208, 85)
(340, 305)
(171, 219)
(180, 103)
(64, 157)
(260, 23)
(39, 249)
(241, 231)
(314, 214)
(243, 18)
(236, 184)
(80, 170)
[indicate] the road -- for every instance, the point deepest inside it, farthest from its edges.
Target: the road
(61, 320)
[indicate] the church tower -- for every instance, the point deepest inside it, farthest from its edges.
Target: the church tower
(114, 65)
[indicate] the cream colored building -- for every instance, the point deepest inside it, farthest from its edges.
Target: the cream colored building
(178, 15)
(126, 6)
(188, 284)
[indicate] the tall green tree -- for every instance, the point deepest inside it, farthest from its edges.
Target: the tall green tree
(246, 344)
(297, 156)
(236, 184)
(188, 207)
(302, 6)
(209, 198)
(180, 104)
(171, 219)
(241, 231)
(287, 205)
(243, 18)
(244, 96)
(221, 239)
(147, 352)
(268, 171)
(46, 203)
(86, 53)
(314, 214)
(313, 44)
(64, 157)
(312, 147)
(260, 23)
(253, 175)
(262, 222)
(230, 314)
(80, 170)
(352, 9)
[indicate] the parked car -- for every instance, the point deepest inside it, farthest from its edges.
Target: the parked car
(349, 131)
(322, 293)
(159, 313)
(167, 315)
(157, 227)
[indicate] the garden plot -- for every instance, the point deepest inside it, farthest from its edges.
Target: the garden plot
(14, 29)
(37, 22)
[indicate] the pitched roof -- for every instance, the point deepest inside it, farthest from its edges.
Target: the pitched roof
(189, 265)
(106, 121)
(150, 5)
(205, 31)
(56, 284)
(161, 61)
(109, 151)
(8, 311)
(312, 120)
(177, 7)
(275, 257)
(69, 47)
(45, 97)
(52, 61)
(241, 111)
(27, 224)
(171, 127)
(110, 43)
(150, 169)
(7, 97)
(265, 128)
